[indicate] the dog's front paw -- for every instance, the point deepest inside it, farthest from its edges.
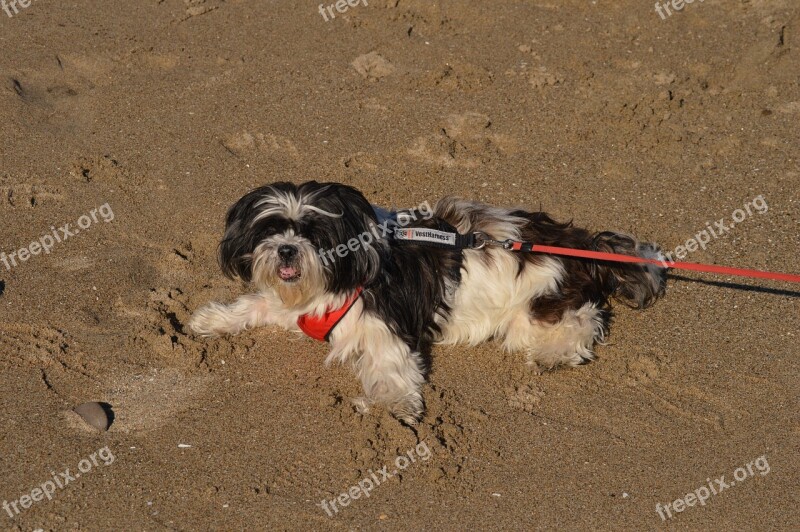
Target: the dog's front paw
(361, 404)
(409, 410)
(209, 321)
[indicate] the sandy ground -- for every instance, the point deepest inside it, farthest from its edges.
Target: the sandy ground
(169, 110)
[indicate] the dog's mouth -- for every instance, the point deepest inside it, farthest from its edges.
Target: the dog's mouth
(288, 274)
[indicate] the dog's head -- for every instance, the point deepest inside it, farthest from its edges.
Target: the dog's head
(289, 237)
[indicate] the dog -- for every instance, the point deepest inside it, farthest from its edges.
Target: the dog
(382, 302)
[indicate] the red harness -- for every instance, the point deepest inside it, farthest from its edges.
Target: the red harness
(320, 327)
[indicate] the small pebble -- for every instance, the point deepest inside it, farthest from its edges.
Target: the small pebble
(94, 414)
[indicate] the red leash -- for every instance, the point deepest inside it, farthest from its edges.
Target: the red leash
(616, 257)
(450, 238)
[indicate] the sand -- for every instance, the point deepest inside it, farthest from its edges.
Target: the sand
(166, 112)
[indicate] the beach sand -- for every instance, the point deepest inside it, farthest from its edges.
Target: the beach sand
(166, 112)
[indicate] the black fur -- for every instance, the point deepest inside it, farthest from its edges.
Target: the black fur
(410, 290)
(405, 283)
(396, 277)
(356, 216)
(591, 281)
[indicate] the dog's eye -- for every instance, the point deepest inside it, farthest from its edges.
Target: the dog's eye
(272, 227)
(269, 231)
(308, 229)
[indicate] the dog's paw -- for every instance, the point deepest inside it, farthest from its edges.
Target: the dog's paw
(409, 410)
(361, 404)
(209, 321)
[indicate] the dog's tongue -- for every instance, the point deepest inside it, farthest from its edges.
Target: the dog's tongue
(287, 272)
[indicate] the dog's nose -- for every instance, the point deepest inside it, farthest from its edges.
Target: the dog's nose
(287, 252)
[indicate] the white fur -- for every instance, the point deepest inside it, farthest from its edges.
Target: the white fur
(492, 301)
(288, 205)
(389, 371)
(568, 342)
(491, 295)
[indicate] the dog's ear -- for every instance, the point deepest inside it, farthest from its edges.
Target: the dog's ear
(235, 253)
(356, 219)
(235, 249)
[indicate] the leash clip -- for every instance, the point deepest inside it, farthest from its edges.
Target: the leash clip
(480, 239)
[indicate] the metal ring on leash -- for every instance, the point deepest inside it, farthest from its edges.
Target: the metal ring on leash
(479, 240)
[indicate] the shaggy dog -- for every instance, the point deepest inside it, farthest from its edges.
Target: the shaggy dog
(381, 287)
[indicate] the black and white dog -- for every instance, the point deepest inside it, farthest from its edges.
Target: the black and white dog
(382, 302)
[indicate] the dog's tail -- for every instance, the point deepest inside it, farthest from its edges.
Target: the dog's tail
(636, 285)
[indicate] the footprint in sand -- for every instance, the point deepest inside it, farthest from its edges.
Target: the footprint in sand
(678, 401)
(461, 77)
(464, 140)
(27, 193)
(195, 8)
(789, 108)
(57, 93)
(51, 351)
(275, 146)
(58, 82)
(372, 66)
(541, 77)
(644, 368)
(525, 397)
